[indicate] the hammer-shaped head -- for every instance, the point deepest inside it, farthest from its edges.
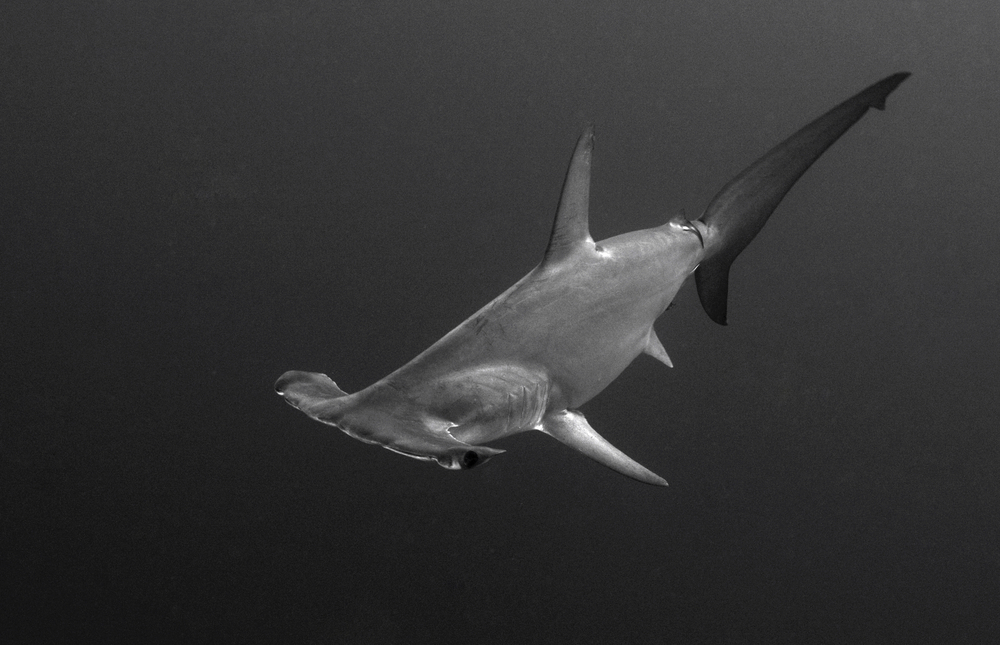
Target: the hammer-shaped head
(381, 416)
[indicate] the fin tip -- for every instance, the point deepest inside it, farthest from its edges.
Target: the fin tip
(889, 85)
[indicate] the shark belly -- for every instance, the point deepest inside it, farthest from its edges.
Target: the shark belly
(550, 343)
(608, 309)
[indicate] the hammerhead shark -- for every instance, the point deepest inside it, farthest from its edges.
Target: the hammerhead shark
(530, 358)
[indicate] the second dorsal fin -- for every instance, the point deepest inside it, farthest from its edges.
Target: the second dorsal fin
(571, 231)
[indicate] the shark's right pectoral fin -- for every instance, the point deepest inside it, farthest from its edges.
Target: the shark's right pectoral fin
(571, 428)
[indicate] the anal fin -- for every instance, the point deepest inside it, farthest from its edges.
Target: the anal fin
(571, 428)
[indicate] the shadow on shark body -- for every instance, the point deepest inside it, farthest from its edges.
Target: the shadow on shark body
(548, 344)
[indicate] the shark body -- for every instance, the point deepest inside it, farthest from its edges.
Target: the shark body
(561, 334)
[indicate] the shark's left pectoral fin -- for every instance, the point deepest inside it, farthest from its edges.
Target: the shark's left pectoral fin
(571, 428)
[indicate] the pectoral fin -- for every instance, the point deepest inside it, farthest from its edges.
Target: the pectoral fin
(571, 428)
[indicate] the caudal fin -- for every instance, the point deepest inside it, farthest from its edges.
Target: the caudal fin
(739, 211)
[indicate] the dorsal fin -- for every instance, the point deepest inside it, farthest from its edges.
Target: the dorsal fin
(571, 231)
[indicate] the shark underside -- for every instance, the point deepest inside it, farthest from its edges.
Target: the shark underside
(531, 357)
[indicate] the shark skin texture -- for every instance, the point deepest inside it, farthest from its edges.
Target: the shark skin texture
(552, 341)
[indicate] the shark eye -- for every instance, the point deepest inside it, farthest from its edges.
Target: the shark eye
(469, 459)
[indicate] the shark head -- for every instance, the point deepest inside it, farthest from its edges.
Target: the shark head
(381, 415)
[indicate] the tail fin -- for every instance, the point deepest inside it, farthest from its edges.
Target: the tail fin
(739, 211)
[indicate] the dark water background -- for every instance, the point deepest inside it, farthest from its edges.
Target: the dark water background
(197, 196)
